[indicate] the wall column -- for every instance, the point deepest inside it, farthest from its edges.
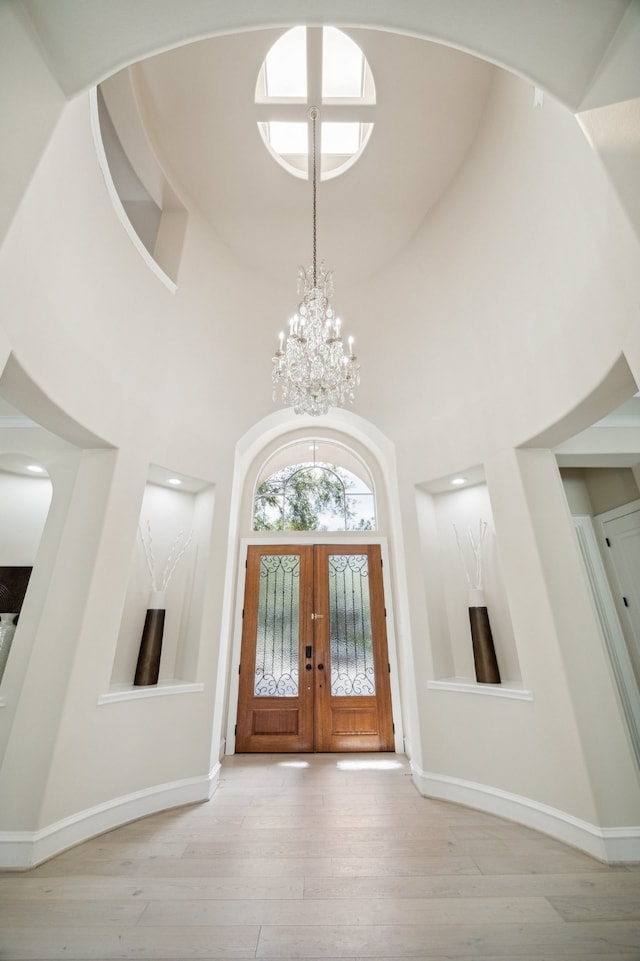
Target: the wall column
(71, 615)
(560, 645)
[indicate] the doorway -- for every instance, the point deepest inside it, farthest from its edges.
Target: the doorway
(314, 669)
(621, 532)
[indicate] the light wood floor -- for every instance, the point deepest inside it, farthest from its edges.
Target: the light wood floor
(321, 856)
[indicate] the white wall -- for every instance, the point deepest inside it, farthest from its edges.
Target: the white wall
(512, 272)
(24, 504)
(517, 266)
(496, 343)
(595, 490)
(29, 115)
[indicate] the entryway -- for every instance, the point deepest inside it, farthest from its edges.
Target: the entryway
(314, 671)
(621, 531)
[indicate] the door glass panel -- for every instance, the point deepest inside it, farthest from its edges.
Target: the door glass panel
(277, 633)
(352, 672)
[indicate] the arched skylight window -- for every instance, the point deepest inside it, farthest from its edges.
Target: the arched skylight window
(300, 489)
(323, 67)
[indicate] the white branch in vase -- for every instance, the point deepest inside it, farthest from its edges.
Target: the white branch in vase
(171, 566)
(148, 553)
(476, 549)
(174, 558)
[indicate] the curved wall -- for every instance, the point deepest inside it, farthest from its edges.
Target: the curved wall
(501, 297)
(504, 290)
(493, 316)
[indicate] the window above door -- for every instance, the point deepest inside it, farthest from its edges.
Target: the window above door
(314, 485)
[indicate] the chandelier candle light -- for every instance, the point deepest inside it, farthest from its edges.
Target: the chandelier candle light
(311, 368)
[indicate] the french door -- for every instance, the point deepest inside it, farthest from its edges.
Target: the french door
(314, 669)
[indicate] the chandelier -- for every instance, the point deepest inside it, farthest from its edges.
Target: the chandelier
(310, 367)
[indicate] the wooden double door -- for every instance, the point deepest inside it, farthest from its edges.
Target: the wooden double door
(314, 670)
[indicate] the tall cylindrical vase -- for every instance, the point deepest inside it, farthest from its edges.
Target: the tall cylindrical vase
(484, 653)
(148, 666)
(7, 630)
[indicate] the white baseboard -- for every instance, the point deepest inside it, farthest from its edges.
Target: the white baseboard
(611, 845)
(20, 850)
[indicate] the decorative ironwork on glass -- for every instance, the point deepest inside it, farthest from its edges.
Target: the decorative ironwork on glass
(277, 671)
(314, 484)
(352, 668)
(313, 497)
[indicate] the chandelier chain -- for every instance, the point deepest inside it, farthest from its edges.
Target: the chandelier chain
(311, 369)
(313, 113)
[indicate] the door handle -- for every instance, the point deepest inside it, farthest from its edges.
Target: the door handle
(321, 667)
(308, 667)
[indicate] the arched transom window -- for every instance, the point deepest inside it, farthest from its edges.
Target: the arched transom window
(314, 486)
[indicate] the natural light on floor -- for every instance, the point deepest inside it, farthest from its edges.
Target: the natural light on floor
(352, 764)
(368, 764)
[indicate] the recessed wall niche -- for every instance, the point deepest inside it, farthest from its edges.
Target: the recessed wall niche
(175, 509)
(441, 508)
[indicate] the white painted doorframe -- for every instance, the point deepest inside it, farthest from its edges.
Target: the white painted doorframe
(618, 532)
(592, 546)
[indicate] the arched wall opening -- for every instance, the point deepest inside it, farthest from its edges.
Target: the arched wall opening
(429, 405)
(37, 433)
(362, 441)
(599, 465)
(68, 687)
(604, 76)
(25, 500)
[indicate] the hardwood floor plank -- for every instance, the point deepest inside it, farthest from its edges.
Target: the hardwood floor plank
(299, 846)
(87, 888)
(153, 944)
(589, 907)
(605, 886)
(50, 912)
(240, 867)
(555, 941)
(356, 866)
(563, 862)
(355, 912)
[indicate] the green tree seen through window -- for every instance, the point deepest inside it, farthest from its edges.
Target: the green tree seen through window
(308, 497)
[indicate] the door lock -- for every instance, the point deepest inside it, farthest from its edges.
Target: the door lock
(308, 651)
(316, 617)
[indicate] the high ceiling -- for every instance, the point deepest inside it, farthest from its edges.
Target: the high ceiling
(198, 115)
(197, 105)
